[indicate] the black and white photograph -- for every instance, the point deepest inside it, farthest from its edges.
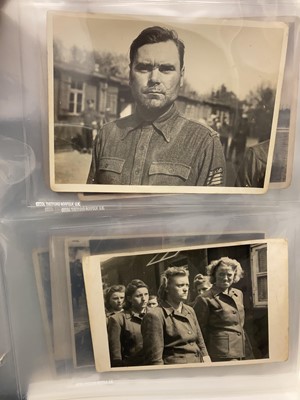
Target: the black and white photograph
(188, 307)
(162, 106)
(283, 155)
(76, 321)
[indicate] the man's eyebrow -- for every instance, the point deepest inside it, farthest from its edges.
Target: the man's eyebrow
(147, 64)
(166, 66)
(156, 64)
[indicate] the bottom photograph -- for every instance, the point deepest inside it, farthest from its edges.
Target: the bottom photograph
(189, 307)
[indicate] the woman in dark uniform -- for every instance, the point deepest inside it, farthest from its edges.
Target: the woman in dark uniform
(171, 333)
(220, 312)
(124, 328)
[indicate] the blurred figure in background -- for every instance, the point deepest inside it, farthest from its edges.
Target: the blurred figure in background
(201, 284)
(253, 169)
(153, 302)
(90, 123)
(224, 132)
(238, 143)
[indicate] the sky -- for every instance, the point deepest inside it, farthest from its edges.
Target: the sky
(240, 55)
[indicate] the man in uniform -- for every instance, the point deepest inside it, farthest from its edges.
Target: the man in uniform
(90, 119)
(253, 169)
(156, 145)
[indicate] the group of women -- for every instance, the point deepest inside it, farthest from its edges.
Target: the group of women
(172, 332)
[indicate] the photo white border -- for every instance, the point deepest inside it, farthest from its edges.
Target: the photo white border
(91, 188)
(277, 262)
(82, 241)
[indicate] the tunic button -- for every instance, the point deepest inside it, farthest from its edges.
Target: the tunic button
(238, 334)
(137, 171)
(233, 312)
(189, 332)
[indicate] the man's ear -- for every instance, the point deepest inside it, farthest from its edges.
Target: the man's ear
(181, 76)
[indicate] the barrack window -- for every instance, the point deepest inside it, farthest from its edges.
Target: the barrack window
(259, 275)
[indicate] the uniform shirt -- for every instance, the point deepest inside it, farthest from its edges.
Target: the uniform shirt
(172, 337)
(125, 339)
(221, 318)
(172, 151)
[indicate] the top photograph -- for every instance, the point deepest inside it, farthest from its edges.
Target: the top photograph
(163, 105)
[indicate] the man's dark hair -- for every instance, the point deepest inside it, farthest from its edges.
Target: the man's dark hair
(156, 34)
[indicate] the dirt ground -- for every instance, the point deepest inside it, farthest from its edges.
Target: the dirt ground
(72, 167)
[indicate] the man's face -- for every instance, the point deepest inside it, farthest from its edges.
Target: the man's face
(155, 76)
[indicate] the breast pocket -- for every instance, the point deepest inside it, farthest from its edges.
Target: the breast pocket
(110, 170)
(168, 173)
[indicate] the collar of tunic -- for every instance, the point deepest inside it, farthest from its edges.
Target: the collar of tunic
(131, 314)
(170, 310)
(162, 124)
(111, 313)
(216, 292)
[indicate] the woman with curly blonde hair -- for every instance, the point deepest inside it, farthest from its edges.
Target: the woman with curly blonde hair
(220, 312)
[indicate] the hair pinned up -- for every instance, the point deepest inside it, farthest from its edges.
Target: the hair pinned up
(166, 276)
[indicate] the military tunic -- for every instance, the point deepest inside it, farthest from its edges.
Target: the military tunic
(125, 339)
(172, 337)
(221, 318)
(171, 150)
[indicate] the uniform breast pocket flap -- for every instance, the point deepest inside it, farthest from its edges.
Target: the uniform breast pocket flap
(168, 168)
(111, 164)
(215, 306)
